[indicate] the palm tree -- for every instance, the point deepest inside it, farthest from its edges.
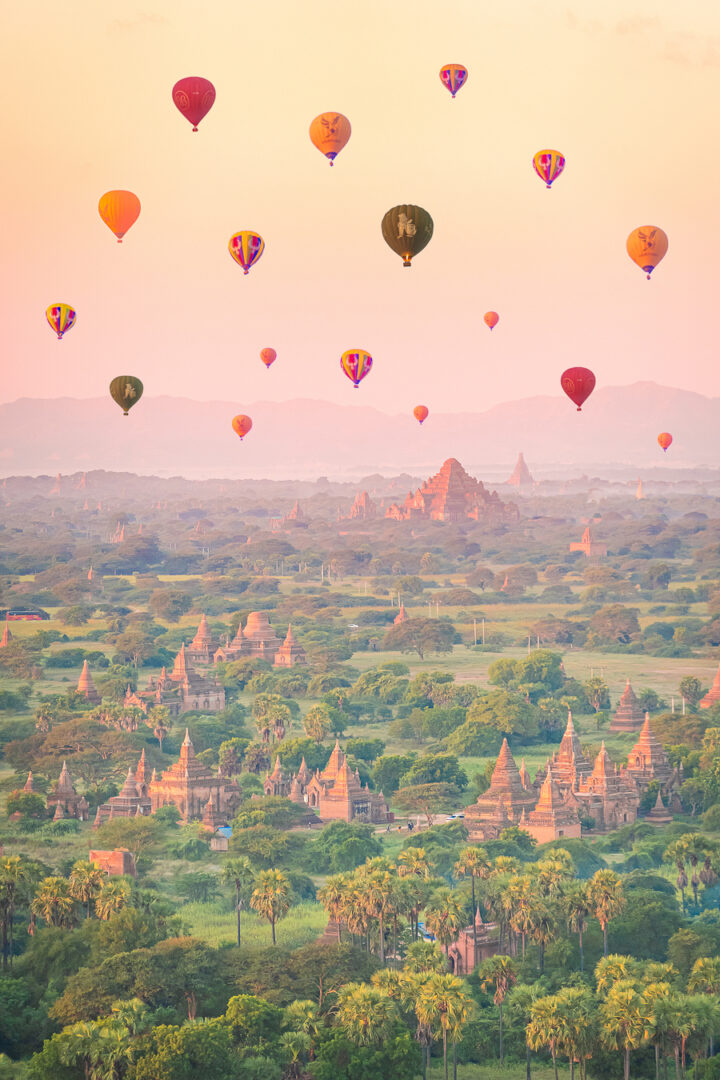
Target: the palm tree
(296, 1045)
(522, 902)
(332, 896)
(613, 969)
(379, 894)
(16, 882)
(577, 908)
(238, 872)
(545, 1027)
(444, 917)
(317, 723)
(705, 1014)
(553, 871)
(271, 898)
(413, 862)
(625, 1019)
(86, 881)
(499, 974)
(113, 896)
(705, 979)
(520, 1001)
(578, 1020)
(607, 900)
(474, 863)
(54, 902)
(655, 994)
(365, 1014)
(443, 1003)
(544, 929)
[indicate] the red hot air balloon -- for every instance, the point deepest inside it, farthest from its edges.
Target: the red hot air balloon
(665, 439)
(421, 412)
(241, 425)
(491, 318)
(578, 383)
(268, 357)
(194, 97)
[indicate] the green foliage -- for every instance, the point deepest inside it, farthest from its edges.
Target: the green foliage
(398, 1058)
(273, 810)
(435, 769)
(341, 846)
(389, 769)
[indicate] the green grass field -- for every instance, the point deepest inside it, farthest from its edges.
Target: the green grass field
(216, 923)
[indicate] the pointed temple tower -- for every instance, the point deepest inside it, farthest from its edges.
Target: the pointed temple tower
(647, 761)
(363, 508)
(203, 646)
(65, 798)
(521, 476)
(86, 686)
(189, 785)
(569, 763)
(453, 495)
(402, 615)
(589, 547)
(552, 817)
(503, 803)
(290, 652)
(713, 695)
(640, 494)
(629, 715)
(6, 636)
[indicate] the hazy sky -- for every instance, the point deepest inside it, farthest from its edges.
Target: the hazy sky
(626, 90)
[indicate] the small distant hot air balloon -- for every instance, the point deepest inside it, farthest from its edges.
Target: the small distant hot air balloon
(329, 132)
(126, 390)
(647, 246)
(578, 383)
(268, 357)
(407, 229)
(491, 318)
(665, 439)
(421, 412)
(61, 318)
(246, 248)
(453, 76)
(356, 364)
(548, 164)
(241, 425)
(119, 210)
(194, 97)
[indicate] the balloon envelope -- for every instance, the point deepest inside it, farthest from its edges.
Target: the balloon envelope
(194, 97)
(491, 318)
(329, 132)
(246, 248)
(126, 390)
(453, 76)
(578, 383)
(61, 318)
(356, 363)
(548, 164)
(407, 229)
(241, 425)
(268, 357)
(646, 246)
(421, 412)
(665, 439)
(119, 210)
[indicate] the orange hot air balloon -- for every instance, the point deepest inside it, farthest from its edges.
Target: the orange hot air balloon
(665, 439)
(268, 357)
(421, 412)
(646, 246)
(329, 132)
(578, 383)
(241, 425)
(491, 318)
(119, 210)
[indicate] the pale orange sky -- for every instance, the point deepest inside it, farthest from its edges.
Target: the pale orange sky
(627, 93)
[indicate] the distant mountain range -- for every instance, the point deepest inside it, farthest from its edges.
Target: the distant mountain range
(168, 436)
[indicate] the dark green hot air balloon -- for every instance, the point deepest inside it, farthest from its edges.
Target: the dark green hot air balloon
(126, 390)
(407, 229)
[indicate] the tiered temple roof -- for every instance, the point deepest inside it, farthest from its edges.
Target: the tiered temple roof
(647, 761)
(453, 495)
(569, 763)
(629, 715)
(713, 695)
(402, 615)
(203, 646)
(86, 686)
(290, 652)
(503, 803)
(363, 508)
(65, 799)
(521, 476)
(189, 784)
(552, 816)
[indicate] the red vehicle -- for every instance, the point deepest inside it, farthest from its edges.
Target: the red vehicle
(27, 614)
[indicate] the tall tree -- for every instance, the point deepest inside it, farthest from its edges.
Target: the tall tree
(113, 896)
(474, 863)
(54, 902)
(86, 881)
(443, 1004)
(499, 974)
(606, 896)
(366, 1014)
(271, 897)
(625, 1018)
(577, 908)
(238, 872)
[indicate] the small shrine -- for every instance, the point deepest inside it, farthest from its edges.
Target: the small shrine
(629, 714)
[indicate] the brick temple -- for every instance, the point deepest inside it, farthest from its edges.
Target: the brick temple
(182, 690)
(453, 495)
(629, 715)
(259, 641)
(335, 793)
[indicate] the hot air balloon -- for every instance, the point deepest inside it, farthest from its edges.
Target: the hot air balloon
(194, 97)
(578, 383)
(665, 439)
(119, 210)
(491, 318)
(356, 364)
(421, 412)
(646, 246)
(453, 76)
(126, 390)
(329, 132)
(241, 425)
(61, 318)
(548, 164)
(246, 248)
(407, 229)
(268, 357)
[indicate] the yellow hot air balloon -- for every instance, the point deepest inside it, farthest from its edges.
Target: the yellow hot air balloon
(126, 391)
(329, 132)
(647, 246)
(119, 210)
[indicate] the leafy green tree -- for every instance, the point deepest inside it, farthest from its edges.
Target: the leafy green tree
(271, 897)
(169, 604)
(365, 1014)
(691, 689)
(420, 636)
(182, 1053)
(435, 769)
(389, 769)
(428, 799)
(317, 723)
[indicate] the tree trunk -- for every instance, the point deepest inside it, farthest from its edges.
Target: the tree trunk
(474, 923)
(445, 1060)
(528, 1075)
(237, 909)
(571, 1061)
(382, 941)
(454, 1061)
(501, 1033)
(605, 941)
(554, 1061)
(677, 1061)
(627, 1062)
(523, 945)
(657, 1061)
(272, 923)
(582, 957)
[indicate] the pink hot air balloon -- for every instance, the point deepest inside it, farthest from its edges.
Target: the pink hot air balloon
(268, 357)
(491, 318)
(194, 97)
